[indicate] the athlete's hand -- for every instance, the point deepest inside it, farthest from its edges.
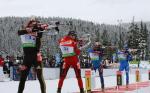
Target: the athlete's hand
(22, 67)
(29, 30)
(78, 65)
(44, 26)
(33, 33)
(39, 57)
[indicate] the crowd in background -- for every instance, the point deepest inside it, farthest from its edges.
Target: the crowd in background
(12, 61)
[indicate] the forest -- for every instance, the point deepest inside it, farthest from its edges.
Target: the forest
(134, 34)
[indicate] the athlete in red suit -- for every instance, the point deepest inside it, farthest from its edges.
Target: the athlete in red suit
(70, 52)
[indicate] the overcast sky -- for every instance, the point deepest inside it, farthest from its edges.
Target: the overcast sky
(99, 11)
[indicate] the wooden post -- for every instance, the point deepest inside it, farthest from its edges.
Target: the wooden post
(119, 78)
(137, 73)
(88, 80)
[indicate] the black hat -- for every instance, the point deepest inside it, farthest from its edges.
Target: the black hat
(73, 33)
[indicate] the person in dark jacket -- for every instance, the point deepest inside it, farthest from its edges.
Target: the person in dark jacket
(31, 42)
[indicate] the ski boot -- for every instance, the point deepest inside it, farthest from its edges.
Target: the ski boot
(59, 90)
(127, 86)
(82, 90)
(102, 87)
(103, 90)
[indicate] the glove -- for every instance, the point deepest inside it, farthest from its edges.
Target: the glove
(39, 57)
(22, 67)
(57, 29)
(44, 26)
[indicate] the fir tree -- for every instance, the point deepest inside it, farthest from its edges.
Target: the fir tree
(133, 36)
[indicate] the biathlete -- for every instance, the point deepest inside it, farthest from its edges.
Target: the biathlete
(123, 56)
(68, 45)
(96, 55)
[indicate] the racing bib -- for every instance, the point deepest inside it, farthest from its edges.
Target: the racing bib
(94, 56)
(122, 56)
(67, 51)
(28, 41)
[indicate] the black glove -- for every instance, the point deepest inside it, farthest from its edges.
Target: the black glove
(57, 29)
(22, 32)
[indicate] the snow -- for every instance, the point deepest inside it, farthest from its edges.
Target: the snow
(34, 87)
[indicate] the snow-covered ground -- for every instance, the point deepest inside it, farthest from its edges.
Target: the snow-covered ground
(70, 84)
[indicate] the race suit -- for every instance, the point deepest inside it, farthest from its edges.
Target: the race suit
(70, 54)
(96, 60)
(124, 58)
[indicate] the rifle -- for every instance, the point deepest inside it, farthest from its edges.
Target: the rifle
(85, 41)
(40, 26)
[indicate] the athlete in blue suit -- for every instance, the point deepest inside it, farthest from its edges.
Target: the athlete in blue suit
(124, 57)
(96, 54)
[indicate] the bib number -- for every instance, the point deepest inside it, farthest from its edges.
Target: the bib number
(94, 56)
(28, 41)
(122, 57)
(67, 51)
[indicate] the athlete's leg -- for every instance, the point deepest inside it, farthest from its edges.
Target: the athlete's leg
(24, 73)
(37, 62)
(39, 71)
(101, 76)
(78, 76)
(121, 66)
(28, 60)
(127, 74)
(65, 69)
